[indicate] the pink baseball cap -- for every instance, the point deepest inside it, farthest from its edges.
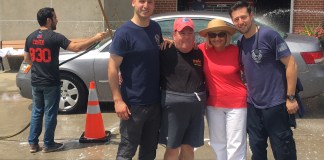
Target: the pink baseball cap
(181, 23)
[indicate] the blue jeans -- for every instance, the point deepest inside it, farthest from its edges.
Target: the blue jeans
(272, 123)
(45, 101)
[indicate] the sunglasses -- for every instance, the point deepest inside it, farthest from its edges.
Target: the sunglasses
(214, 35)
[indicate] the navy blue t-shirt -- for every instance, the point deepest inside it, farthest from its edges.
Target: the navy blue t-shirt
(140, 68)
(265, 74)
(43, 47)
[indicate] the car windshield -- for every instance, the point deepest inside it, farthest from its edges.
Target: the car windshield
(101, 43)
(201, 23)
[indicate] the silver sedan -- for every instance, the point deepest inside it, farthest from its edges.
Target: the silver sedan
(92, 66)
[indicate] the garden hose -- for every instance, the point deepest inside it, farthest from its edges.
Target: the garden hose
(68, 60)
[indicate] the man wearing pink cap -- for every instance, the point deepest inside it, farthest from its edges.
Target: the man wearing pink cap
(183, 94)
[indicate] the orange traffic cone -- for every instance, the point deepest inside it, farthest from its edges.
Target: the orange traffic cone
(94, 129)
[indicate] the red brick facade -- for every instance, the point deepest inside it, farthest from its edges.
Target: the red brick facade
(305, 11)
(310, 12)
(162, 6)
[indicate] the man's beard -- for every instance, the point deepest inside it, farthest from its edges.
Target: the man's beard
(247, 29)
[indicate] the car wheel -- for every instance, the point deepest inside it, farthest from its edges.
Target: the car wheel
(73, 94)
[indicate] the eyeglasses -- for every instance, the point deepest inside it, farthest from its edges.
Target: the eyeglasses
(214, 35)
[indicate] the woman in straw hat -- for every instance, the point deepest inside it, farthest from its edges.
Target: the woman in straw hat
(226, 104)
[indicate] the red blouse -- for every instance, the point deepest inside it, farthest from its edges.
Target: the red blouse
(223, 78)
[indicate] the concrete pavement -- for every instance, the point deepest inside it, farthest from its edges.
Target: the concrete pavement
(14, 115)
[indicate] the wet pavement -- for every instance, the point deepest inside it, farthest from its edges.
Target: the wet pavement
(15, 115)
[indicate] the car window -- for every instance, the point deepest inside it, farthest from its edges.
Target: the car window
(101, 43)
(167, 27)
(199, 25)
(106, 49)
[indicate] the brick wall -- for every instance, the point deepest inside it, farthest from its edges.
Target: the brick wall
(310, 12)
(162, 6)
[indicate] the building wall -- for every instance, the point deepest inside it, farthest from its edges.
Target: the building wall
(83, 18)
(165, 6)
(118, 11)
(308, 12)
(76, 18)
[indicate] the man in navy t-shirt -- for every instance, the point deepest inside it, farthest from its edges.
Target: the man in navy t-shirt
(42, 53)
(271, 75)
(135, 54)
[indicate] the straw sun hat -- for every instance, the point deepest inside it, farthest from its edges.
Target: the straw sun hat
(217, 25)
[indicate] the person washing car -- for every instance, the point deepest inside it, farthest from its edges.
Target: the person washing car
(42, 53)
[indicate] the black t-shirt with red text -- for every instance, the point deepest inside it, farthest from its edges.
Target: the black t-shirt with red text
(43, 47)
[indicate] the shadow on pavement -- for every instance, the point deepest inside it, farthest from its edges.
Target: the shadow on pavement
(74, 144)
(314, 107)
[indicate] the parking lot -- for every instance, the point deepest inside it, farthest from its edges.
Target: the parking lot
(15, 115)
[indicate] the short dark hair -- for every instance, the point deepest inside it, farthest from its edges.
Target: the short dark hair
(238, 5)
(43, 14)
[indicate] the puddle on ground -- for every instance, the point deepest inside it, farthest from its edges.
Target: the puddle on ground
(11, 96)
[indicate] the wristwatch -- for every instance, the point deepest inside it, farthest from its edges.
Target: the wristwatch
(291, 97)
